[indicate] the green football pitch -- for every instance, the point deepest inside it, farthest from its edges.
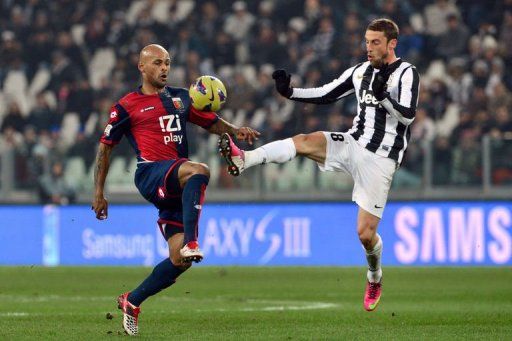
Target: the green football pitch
(259, 303)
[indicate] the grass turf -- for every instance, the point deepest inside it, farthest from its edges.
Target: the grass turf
(259, 303)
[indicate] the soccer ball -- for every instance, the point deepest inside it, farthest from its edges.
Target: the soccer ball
(207, 93)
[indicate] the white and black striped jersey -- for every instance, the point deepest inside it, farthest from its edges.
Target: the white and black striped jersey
(381, 127)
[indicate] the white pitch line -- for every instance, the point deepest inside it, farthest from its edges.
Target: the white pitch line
(257, 305)
(47, 298)
(311, 306)
(13, 314)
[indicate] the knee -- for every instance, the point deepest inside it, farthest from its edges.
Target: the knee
(301, 141)
(305, 143)
(366, 232)
(198, 169)
(202, 169)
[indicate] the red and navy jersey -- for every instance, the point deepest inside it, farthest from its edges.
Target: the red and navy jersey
(155, 125)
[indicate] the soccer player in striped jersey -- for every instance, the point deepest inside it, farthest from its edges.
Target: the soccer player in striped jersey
(386, 89)
(154, 118)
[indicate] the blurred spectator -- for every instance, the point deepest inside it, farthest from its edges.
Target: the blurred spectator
(292, 50)
(64, 73)
(505, 37)
(13, 119)
(501, 98)
(10, 53)
(264, 91)
(186, 42)
(411, 44)
(42, 117)
(241, 93)
(82, 149)
(439, 98)
(209, 22)
(323, 39)
(239, 23)
(442, 161)
(466, 160)
(424, 129)
(452, 43)
(72, 51)
(279, 113)
(459, 82)
(40, 44)
(436, 14)
(223, 51)
(54, 189)
(478, 100)
(80, 100)
(502, 123)
(396, 10)
(265, 47)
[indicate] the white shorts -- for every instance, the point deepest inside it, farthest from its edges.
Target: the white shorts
(372, 173)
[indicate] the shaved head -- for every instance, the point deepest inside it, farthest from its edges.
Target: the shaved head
(154, 65)
(150, 51)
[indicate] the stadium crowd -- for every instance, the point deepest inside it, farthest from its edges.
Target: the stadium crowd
(63, 63)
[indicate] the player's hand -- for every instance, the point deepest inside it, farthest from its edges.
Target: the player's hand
(100, 207)
(247, 134)
(379, 83)
(282, 79)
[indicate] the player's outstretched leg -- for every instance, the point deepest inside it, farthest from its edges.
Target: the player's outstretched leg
(238, 160)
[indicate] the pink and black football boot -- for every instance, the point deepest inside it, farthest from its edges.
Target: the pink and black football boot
(233, 155)
(372, 295)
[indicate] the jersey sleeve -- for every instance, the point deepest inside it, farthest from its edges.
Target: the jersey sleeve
(118, 124)
(404, 107)
(203, 119)
(328, 93)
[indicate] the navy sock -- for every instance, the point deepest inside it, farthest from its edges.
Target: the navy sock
(192, 199)
(163, 276)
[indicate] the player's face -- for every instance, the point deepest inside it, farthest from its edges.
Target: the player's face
(378, 47)
(156, 69)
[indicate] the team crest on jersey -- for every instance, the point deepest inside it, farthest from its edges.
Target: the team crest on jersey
(178, 104)
(114, 116)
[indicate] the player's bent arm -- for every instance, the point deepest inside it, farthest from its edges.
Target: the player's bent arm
(102, 165)
(243, 134)
(328, 93)
(405, 108)
(100, 205)
(402, 114)
(222, 126)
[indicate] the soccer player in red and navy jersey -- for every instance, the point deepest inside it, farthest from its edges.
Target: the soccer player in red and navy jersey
(154, 119)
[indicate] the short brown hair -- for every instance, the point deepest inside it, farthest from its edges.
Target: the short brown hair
(388, 26)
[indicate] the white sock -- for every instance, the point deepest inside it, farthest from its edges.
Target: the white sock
(280, 151)
(373, 257)
(374, 276)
